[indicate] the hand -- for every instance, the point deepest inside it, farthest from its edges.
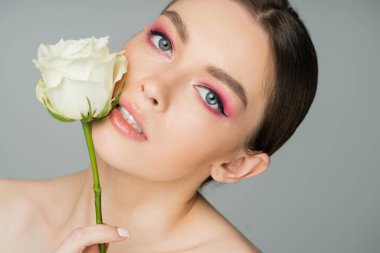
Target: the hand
(86, 239)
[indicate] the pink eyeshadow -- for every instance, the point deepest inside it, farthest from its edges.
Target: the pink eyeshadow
(158, 26)
(226, 104)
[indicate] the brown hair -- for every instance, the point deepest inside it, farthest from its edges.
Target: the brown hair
(295, 73)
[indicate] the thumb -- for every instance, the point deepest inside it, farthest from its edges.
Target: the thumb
(94, 248)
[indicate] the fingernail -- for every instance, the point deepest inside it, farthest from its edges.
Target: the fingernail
(123, 232)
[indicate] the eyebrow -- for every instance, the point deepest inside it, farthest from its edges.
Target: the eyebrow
(178, 24)
(214, 71)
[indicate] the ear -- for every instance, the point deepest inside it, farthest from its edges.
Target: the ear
(242, 166)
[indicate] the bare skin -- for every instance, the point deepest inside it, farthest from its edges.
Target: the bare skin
(150, 187)
(30, 221)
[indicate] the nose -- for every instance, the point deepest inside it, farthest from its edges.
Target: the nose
(155, 94)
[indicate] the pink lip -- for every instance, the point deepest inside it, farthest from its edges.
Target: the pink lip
(123, 126)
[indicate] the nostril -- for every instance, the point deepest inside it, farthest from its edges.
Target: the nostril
(150, 93)
(155, 102)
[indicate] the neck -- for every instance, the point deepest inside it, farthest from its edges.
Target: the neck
(149, 210)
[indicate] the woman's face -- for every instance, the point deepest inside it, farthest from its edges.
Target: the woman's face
(195, 87)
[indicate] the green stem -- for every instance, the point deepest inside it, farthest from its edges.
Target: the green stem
(97, 189)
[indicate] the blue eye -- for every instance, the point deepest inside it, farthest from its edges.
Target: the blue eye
(211, 99)
(161, 41)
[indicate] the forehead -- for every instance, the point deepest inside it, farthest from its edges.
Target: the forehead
(225, 34)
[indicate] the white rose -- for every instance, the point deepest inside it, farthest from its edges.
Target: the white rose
(78, 78)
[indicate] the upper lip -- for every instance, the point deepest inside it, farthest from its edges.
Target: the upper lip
(135, 112)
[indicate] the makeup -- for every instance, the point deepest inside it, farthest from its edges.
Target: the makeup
(226, 104)
(159, 29)
(128, 122)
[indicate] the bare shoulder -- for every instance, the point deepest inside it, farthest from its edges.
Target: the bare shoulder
(230, 241)
(15, 201)
(25, 200)
(25, 211)
(225, 237)
(17, 212)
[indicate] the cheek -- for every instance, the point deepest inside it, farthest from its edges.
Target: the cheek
(176, 151)
(141, 57)
(162, 159)
(194, 142)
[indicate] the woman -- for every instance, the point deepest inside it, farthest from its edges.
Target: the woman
(213, 89)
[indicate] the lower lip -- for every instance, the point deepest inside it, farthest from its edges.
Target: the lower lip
(123, 127)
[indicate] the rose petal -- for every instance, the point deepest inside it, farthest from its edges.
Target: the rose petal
(70, 98)
(41, 91)
(103, 72)
(78, 69)
(54, 62)
(75, 71)
(120, 67)
(51, 77)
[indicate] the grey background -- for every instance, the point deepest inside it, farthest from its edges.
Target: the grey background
(321, 192)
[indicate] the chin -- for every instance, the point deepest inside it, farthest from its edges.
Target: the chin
(115, 151)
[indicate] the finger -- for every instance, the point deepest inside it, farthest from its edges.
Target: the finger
(92, 249)
(83, 237)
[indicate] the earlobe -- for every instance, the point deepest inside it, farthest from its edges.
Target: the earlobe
(241, 167)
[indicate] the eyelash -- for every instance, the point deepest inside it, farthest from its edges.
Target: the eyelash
(219, 103)
(201, 89)
(153, 33)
